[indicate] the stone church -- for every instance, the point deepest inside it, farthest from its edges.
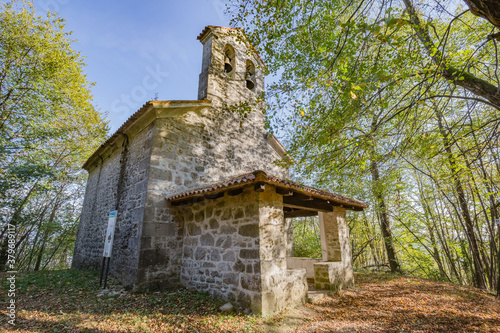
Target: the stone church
(199, 201)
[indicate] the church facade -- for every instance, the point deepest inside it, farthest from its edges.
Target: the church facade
(199, 201)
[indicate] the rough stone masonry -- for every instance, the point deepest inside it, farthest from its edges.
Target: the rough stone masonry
(233, 246)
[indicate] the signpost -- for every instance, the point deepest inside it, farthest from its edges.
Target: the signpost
(108, 247)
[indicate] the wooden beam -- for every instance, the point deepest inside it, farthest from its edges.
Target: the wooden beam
(315, 204)
(187, 201)
(179, 203)
(260, 187)
(214, 195)
(235, 192)
(197, 199)
(302, 207)
(284, 192)
(300, 213)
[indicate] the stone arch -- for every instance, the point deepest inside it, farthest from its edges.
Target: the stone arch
(229, 59)
(250, 75)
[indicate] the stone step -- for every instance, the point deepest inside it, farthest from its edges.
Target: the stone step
(316, 295)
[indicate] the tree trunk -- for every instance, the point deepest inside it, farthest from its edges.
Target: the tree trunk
(447, 252)
(498, 262)
(46, 233)
(40, 253)
(15, 217)
(372, 246)
(384, 219)
(464, 208)
(436, 255)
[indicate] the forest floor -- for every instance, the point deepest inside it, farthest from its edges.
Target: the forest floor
(70, 301)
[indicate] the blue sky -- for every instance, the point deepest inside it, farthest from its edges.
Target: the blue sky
(135, 49)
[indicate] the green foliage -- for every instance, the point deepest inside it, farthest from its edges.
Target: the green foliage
(48, 127)
(376, 100)
(306, 237)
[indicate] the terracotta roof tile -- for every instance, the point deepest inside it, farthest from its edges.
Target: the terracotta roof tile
(261, 177)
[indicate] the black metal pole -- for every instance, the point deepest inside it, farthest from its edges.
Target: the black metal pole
(106, 274)
(102, 271)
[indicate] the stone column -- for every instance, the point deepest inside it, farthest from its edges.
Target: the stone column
(335, 272)
(289, 237)
(329, 233)
(281, 288)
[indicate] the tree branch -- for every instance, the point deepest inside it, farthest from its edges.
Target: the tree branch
(459, 77)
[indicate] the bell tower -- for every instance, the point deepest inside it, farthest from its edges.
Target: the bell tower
(231, 70)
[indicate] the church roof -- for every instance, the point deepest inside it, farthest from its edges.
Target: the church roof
(138, 114)
(209, 27)
(259, 178)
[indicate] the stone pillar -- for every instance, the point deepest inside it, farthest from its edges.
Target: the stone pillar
(289, 237)
(329, 233)
(335, 272)
(281, 288)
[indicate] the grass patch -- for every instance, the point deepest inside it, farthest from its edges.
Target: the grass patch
(69, 301)
(63, 280)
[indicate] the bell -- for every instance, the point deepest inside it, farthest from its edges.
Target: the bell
(250, 78)
(228, 68)
(250, 84)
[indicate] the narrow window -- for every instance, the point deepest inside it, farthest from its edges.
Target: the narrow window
(228, 59)
(250, 75)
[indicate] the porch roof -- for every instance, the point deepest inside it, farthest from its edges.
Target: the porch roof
(295, 196)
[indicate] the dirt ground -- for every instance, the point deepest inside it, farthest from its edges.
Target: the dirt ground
(388, 303)
(71, 301)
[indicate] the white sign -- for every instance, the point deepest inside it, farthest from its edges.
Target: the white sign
(110, 234)
(497, 221)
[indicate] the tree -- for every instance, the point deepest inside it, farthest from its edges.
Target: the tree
(365, 85)
(48, 125)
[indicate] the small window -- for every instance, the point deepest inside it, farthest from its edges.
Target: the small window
(229, 56)
(250, 75)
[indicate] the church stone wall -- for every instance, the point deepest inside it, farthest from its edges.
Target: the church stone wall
(194, 150)
(182, 148)
(118, 182)
(234, 248)
(220, 251)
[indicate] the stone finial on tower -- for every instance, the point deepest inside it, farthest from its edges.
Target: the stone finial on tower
(231, 71)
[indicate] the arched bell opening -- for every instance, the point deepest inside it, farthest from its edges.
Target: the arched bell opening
(229, 56)
(250, 75)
